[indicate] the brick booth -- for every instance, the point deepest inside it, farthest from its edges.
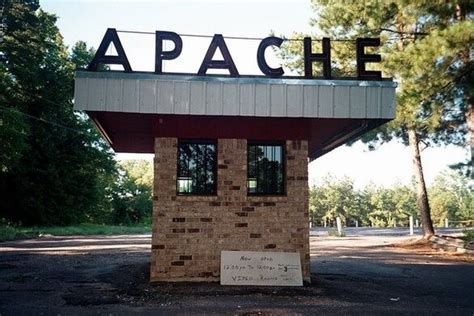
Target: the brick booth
(231, 155)
(189, 232)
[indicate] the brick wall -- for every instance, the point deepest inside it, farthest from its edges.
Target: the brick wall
(189, 232)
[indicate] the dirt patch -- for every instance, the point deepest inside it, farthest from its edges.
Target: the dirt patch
(421, 246)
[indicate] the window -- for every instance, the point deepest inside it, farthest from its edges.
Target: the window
(196, 168)
(265, 169)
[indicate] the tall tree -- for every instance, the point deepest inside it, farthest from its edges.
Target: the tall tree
(54, 158)
(451, 197)
(131, 194)
(421, 44)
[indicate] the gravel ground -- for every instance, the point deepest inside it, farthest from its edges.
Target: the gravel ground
(363, 274)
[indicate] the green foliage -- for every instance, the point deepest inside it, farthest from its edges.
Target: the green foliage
(425, 48)
(450, 197)
(131, 193)
(335, 233)
(7, 231)
(468, 236)
(52, 159)
(333, 198)
(55, 169)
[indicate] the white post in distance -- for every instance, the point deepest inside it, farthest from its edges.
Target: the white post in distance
(411, 225)
(357, 223)
(446, 222)
(417, 223)
(339, 226)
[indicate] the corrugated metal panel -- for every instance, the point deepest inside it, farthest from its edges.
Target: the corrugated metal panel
(147, 96)
(96, 94)
(247, 99)
(387, 105)
(181, 95)
(165, 96)
(80, 93)
(262, 100)
(146, 93)
(214, 98)
(278, 100)
(294, 100)
(230, 101)
(342, 101)
(373, 102)
(358, 102)
(130, 96)
(198, 98)
(113, 96)
(326, 101)
(310, 101)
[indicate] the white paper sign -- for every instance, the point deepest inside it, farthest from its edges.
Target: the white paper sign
(261, 268)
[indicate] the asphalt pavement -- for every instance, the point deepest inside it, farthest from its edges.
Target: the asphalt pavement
(357, 274)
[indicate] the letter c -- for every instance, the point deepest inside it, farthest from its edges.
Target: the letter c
(262, 64)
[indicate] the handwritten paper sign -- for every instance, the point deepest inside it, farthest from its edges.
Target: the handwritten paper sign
(261, 268)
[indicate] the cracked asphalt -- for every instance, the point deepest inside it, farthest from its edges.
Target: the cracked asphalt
(357, 274)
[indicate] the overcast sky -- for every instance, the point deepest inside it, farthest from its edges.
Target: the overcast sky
(88, 20)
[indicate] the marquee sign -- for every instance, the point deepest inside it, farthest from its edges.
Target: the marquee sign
(227, 62)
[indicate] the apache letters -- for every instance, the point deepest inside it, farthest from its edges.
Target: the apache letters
(218, 42)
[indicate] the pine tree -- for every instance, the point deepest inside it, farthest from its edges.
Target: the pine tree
(423, 46)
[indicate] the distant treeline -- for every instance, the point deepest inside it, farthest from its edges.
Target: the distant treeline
(450, 197)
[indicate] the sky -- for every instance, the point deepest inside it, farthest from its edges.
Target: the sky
(87, 20)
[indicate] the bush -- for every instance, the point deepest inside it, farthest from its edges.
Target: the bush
(468, 236)
(7, 232)
(335, 233)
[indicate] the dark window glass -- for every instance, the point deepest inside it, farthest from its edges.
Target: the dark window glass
(265, 169)
(196, 168)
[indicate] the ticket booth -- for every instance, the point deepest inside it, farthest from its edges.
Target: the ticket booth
(231, 154)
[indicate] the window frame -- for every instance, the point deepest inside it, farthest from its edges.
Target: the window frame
(214, 167)
(283, 168)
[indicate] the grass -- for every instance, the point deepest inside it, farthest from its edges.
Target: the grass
(8, 232)
(335, 233)
(468, 236)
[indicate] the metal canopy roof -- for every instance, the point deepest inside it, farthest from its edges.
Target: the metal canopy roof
(111, 98)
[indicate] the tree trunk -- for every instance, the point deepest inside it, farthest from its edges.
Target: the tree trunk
(470, 125)
(413, 140)
(460, 12)
(421, 194)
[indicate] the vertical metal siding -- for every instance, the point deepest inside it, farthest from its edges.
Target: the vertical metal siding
(230, 102)
(96, 95)
(358, 102)
(372, 101)
(342, 101)
(278, 100)
(197, 98)
(181, 95)
(208, 97)
(113, 97)
(326, 101)
(247, 100)
(214, 98)
(262, 100)
(294, 99)
(165, 96)
(310, 101)
(81, 93)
